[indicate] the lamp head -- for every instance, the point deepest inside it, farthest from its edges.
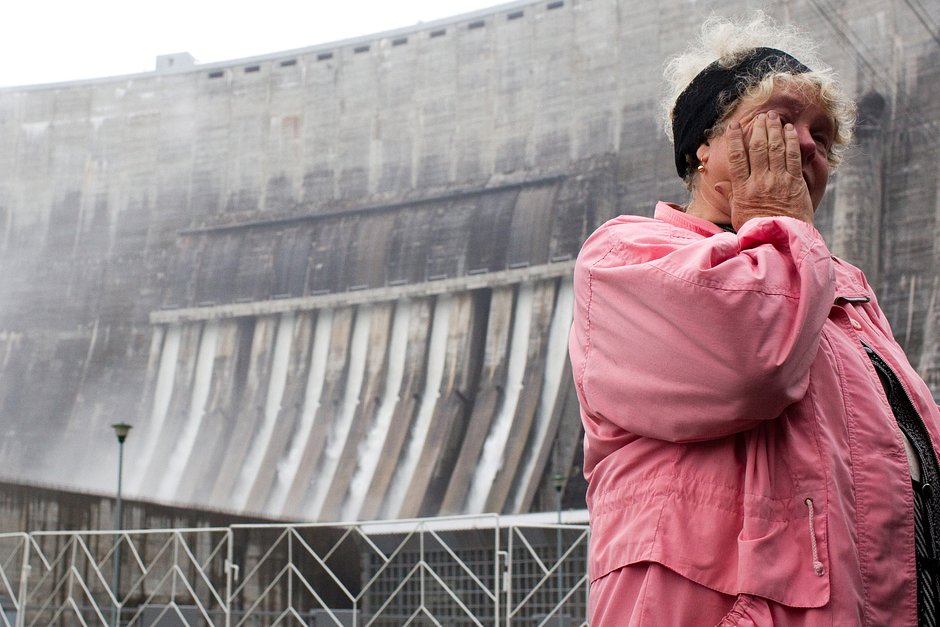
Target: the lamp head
(121, 429)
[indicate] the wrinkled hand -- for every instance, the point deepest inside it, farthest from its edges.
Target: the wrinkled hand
(766, 174)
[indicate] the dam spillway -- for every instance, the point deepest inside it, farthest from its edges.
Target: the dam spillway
(334, 283)
(384, 370)
(396, 399)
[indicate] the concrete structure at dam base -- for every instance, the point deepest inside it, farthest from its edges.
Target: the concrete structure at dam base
(181, 567)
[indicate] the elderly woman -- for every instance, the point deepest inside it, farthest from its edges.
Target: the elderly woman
(757, 446)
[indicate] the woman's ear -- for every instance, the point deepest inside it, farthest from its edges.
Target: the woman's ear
(702, 153)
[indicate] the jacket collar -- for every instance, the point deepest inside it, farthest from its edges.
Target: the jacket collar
(851, 285)
(668, 212)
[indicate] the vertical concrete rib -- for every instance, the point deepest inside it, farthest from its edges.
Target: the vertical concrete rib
(342, 424)
(370, 447)
(448, 414)
(415, 365)
(182, 368)
(166, 343)
(487, 399)
(330, 403)
(261, 439)
(557, 377)
(404, 473)
(287, 467)
(249, 412)
(494, 446)
(344, 457)
(199, 395)
(206, 458)
(264, 477)
(502, 477)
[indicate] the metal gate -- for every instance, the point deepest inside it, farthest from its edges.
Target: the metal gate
(473, 571)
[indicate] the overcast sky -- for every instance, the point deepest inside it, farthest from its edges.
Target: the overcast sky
(43, 41)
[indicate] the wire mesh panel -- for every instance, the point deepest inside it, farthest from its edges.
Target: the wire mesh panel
(460, 571)
(14, 556)
(404, 573)
(295, 574)
(547, 575)
(433, 577)
(108, 578)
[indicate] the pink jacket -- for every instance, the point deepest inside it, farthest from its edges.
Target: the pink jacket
(735, 429)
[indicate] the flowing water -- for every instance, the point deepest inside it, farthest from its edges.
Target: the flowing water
(492, 458)
(371, 447)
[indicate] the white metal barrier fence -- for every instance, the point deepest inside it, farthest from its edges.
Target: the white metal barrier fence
(441, 571)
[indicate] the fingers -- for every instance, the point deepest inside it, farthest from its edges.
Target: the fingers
(794, 159)
(767, 179)
(776, 148)
(771, 148)
(738, 165)
(757, 146)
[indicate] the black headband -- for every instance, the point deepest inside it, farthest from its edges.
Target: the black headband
(699, 106)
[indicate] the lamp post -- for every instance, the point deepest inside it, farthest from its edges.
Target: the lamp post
(558, 482)
(121, 429)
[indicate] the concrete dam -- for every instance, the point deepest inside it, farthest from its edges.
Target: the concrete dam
(410, 362)
(334, 283)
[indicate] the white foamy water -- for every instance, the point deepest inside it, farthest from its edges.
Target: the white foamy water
(202, 381)
(280, 363)
(288, 465)
(167, 341)
(491, 460)
(371, 447)
(339, 430)
(555, 358)
(437, 352)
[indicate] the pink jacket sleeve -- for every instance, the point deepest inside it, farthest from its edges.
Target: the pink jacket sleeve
(682, 337)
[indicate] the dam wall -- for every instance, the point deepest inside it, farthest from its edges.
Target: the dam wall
(334, 283)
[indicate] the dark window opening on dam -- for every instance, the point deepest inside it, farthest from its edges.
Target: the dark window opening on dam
(218, 74)
(252, 68)
(401, 41)
(288, 62)
(477, 24)
(515, 15)
(360, 49)
(324, 56)
(554, 5)
(438, 33)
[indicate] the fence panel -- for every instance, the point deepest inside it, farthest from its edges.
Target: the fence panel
(460, 571)
(129, 578)
(547, 575)
(14, 568)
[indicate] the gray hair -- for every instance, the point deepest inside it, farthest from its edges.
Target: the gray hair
(727, 41)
